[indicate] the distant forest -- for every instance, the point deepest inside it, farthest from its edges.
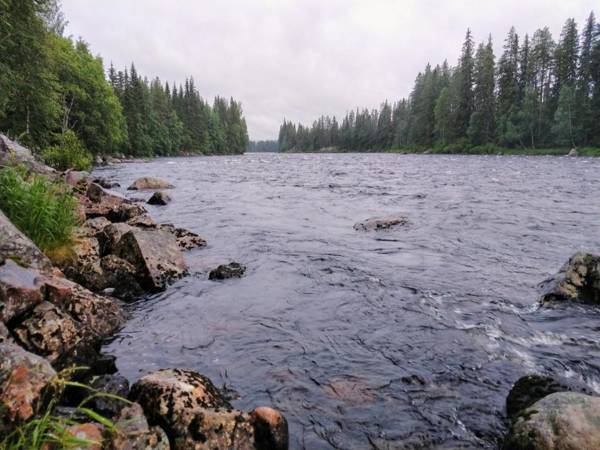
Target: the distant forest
(263, 146)
(540, 94)
(52, 87)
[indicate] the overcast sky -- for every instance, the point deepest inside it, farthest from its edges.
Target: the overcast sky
(301, 58)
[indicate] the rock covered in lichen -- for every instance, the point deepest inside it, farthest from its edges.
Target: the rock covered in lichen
(577, 281)
(226, 271)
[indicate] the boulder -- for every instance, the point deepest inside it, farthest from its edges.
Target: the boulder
(110, 236)
(559, 421)
(20, 290)
(122, 276)
(142, 221)
(577, 281)
(155, 254)
(18, 247)
(573, 152)
(159, 198)
(92, 227)
(225, 271)
(114, 385)
(195, 415)
(14, 154)
(49, 332)
(149, 183)
(23, 378)
(134, 433)
(105, 183)
(380, 223)
(532, 388)
(112, 205)
(186, 239)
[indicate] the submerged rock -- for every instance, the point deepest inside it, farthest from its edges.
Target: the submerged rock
(225, 271)
(149, 183)
(159, 198)
(23, 378)
(559, 421)
(155, 255)
(577, 281)
(380, 223)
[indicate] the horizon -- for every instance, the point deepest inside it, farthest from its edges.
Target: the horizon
(282, 60)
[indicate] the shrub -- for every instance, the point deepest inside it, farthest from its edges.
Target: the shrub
(44, 210)
(70, 153)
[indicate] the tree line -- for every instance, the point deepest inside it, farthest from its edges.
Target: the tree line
(54, 91)
(539, 94)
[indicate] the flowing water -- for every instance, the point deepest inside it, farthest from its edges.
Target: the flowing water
(407, 338)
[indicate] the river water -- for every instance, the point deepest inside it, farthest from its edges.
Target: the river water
(407, 338)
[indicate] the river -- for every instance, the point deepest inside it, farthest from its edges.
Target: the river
(407, 338)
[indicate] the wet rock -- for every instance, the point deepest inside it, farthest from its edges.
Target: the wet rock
(4, 333)
(23, 378)
(20, 290)
(105, 183)
(91, 432)
(134, 433)
(225, 271)
(380, 223)
(573, 152)
(75, 177)
(559, 421)
(92, 227)
(577, 281)
(122, 276)
(155, 254)
(186, 239)
(142, 221)
(271, 429)
(159, 198)
(532, 388)
(48, 332)
(111, 235)
(112, 205)
(18, 247)
(149, 183)
(115, 385)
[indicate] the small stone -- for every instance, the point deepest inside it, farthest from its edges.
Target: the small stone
(159, 198)
(225, 271)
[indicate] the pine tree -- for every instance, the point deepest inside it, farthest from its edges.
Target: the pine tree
(464, 92)
(482, 126)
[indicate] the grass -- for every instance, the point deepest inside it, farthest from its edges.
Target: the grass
(46, 430)
(43, 210)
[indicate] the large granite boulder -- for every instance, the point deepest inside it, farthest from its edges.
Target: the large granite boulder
(155, 254)
(20, 290)
(559, 421)
(23, 378)
(195, 415)
(529, 389)
(380, 223)
(112, 205)
(149, 183)
(577, 281)
(18, 247)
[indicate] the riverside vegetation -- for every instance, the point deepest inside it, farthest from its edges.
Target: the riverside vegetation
(541, 97)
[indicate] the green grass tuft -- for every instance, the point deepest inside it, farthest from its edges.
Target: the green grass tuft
(44, 210)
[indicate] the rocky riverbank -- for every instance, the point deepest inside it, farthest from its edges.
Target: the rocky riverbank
(55, 317)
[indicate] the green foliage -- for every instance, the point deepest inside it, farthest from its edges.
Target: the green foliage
(69, 153)
(541, 94)
(47, 430)
(43, 210)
